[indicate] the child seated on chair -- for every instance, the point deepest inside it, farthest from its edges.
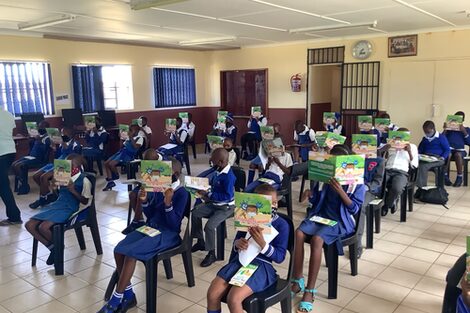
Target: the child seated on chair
(232, 159)
(391, 127)
(127, 153)
(95, 140)
(38, 155)
(304, 138)
(76, 195)
(336, 127)
(43, 176)
(178, 138)
(146, 130)
(165, 212)
(191, 127)
(334, 202)
(457, 141)
(253, 136)
(264, 276)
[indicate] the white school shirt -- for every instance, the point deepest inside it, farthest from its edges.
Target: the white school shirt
(263, 121)
(400, 159)
(7, 145)
(183, 134)
(306, 129)
(191, 128)
(146, 129)
(285, 160)
(86, 191)
(232, 157)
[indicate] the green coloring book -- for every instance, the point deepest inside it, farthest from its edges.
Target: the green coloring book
(222, 114)
(215, 141)
(273, 148)
(221, 123)
(398, 139)
(55, 135)
(241, 277)
(252, 210)
(364, 144)
(136, 121)
(155, 175)
(333, 139)
(329, 118)
(124, 131)
(256, 111)
(62, 172)
(32, 128)
(382, 124)
(90, 122)
(170, 125)
(346, 169)
(364, 122)
(320, 137)
(184, 116)
(453, 122)
(267, 132)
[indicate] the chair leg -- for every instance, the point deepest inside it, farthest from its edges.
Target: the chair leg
(129, 213)
(193, 146)
(370, 226)
(325, 253)
(220, 234)
(168, 268)
(353, 258)
(58, 239)
(95, 234)
(151, 272)
(35, 252)
(378, 218)
(403, 201)
(112, 283)
(411, 192)
(188, 267)
(302, 187)
(290, 212)
(99, 163)
(80, 237)
(465, 173)
(286, 305)
(332, 272)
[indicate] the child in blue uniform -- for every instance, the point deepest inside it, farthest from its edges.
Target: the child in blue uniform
(95, 141)
(232, 159)
(253, 136)
(164, 212)
(304, 138)
(76, 195)
(43, 176)
(127, 153)
(336, 127)
(276, 168)
(216, 206)
(38, 156)
(177, 138)
(433, 144)
(334, 202)
(391, 127)
(457, 141)
(265, 274)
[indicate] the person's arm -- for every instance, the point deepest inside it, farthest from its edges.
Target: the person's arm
(445, 147)
(136, 143)
(466, 135)
(286, 168)
(415, 161)
(147, 201)
(74, 192)
(227, 193)
(421, 147)
(276, 250)
(408, 150)
(180, 139)
(353, 202)
(174, 207)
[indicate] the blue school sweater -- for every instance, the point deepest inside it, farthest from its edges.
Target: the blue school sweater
(40, 148)
(73, 146)
(98, 139)
(438, 146)
(457, 140)
(223, 187)
(374, 174)
(162, 217)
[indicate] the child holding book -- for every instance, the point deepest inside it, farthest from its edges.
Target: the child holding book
(39, 148)
(391, 127)
(253, 136)
(43, 176)
(275, 169)
(304, 138)
(177, 138)
(336, 127)
(265, 274)
(165, 212)
(127, 153)
(95, 140)
(216, 205)
(76, 195)
(457, 141)
(232, 159)
(336, 203)
(433, 144)
(190, 126)
(147, 131)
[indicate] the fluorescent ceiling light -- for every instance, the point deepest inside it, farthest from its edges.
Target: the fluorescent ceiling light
(145, 4)
(408, 5)
(333, 27)
(206, 41)
(46, 22)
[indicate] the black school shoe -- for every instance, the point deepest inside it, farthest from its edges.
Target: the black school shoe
(209, 259)
(108, 309)
(384, 211)
(127, 304)
(393, 209)
(199, 246)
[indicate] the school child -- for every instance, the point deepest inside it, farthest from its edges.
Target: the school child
(304, 138)
(230, 128)
(457, 141)
(165, 212)
(391, 127)
(95, 140)
(76, 195)
(253, 137)
(276, 168)
(39, 148)
(398, 164)
(373, 131)
(147, 131)
(217, 206)
(43, 176)
(336, 127)
(127, 153)
(334, 202)
(434, 144)
(232, 159)
(178, 138)
(265, 274)
(190, 126)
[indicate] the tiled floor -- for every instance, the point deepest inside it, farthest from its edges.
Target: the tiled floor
(404, 273)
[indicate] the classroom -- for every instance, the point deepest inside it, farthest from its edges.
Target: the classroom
(193, 156)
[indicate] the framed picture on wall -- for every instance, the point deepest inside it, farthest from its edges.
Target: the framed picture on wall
(402, 46)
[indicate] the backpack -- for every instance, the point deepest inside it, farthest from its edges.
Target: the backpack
(437, 195)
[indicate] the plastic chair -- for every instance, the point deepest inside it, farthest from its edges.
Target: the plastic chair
(280, 292)
(151, 267)
(85, 217)
(408, 194)
(465, 170)
(286, 187)
(192, 143)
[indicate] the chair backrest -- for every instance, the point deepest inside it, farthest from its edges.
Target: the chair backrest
(240, 175)
(187, 214)
(88, 212)
(238, 153)
(412, 175)
(290, 245)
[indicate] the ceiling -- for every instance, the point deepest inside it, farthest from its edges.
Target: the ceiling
(252, 22)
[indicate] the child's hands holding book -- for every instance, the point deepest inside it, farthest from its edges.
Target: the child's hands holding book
(241, 244)
(256, 233)
(168, 196)
(465, 285)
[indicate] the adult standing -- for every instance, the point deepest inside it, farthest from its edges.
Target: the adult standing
(7, 156)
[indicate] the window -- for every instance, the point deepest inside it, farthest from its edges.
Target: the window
(100, 87)
(174, 87)
(26, 87)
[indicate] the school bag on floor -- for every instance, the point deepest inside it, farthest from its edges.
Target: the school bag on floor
(436, 195)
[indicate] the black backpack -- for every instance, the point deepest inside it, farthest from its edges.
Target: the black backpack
(436, 195)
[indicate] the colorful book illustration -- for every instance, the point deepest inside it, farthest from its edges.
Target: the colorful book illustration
(320, 137)
(55, 135)
(267, 132)
(319, 156)
(333, 139)
(346, 169)
(32, 128)
(329, 118)
(322, 220)
(124, 131)
(245, 257)
(382, 124)
(453, 122)
(428, 158)
(364, 122)
(222, 114)
(90, 122)
(136, 121)
(398, 139)
(62, 172)
(221, 123)
(365, 144)
(256, 111)
(194, 184)
(252, 210)
(468, 259)
(215, 141)
(149, 231)
(241, 277)
(170, 125)
(155, 175)
(184, 116)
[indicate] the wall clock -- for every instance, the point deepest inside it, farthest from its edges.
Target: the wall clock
(362, 49)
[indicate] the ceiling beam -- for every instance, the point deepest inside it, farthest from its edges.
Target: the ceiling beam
(413, 7)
